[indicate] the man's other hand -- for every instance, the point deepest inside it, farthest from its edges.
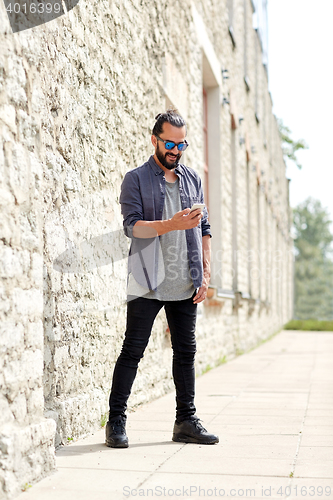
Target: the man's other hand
(201, 295)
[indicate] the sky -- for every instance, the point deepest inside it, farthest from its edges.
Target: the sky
(300, 68)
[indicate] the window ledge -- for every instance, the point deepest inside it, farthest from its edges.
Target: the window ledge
(232, 36)
(247, 83)
(217, 296)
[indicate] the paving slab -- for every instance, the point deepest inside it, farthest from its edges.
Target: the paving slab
(317, 440)
(318, 430)
(73, 483)
(255, 430)
(272, 420)
(272, 409)
(254, 440)
(235, 466)
(270, 405)
(319, 420)
(317, 468)
(273, 412)
(315, 453)
(320, 406)
(233, 450)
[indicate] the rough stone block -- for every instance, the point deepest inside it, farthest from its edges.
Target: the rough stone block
(28, 303)
(14, 380)
(36, 272)
(6, 198)
(7, 115)
(60, 357)
(11, 336)
(32, 367)
(35, 403)
(33, 336)
(26, 454)
(30, 237)
(19, 408)
(9, 263)
(6, 415)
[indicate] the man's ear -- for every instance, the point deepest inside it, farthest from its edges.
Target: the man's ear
(154, 141)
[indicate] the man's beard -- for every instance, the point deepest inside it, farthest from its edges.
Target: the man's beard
(163, 159)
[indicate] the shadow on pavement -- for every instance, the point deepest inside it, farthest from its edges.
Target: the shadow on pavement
(93, 448)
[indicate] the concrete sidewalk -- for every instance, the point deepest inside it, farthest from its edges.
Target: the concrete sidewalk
(272, 409)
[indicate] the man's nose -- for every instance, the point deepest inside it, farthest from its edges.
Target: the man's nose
(175, 146)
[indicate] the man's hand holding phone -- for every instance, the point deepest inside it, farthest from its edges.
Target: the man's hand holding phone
(188, 218)
(185, 219)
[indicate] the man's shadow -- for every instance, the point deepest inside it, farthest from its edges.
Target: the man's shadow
(26, 14)
(90, 254)
(111, 247)
(82, 449)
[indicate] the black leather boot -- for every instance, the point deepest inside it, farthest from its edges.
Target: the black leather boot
(115, 434)
(191, 431)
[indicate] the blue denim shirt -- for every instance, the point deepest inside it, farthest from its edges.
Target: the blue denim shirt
(142, 198)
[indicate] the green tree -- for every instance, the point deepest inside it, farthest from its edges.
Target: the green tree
(313, 262)
(289, 146)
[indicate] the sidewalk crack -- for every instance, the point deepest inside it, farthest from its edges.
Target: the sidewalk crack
(160, 465)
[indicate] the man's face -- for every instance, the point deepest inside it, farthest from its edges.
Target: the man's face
(169, 158)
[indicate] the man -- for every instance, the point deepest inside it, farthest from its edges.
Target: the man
(169, 266)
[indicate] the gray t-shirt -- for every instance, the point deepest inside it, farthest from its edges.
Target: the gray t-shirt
(177, 284)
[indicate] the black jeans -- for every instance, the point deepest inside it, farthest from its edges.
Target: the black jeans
(141, 313)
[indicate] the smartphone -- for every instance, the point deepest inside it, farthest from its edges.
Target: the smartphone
(195, 206)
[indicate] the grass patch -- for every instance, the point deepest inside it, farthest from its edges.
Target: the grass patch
(207, 369)
(26, 486)
(309, 325)
(221, 361)
(104, 419)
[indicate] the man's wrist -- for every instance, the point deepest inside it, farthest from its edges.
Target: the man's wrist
(168, 225)
(206, 275)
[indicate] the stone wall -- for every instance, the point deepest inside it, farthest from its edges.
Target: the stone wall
(26, 437)
(78, 96)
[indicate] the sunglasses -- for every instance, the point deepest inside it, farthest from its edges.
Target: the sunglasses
(181, 146)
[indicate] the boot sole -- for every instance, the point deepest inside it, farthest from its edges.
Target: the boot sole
(182, 438)
(116, 445)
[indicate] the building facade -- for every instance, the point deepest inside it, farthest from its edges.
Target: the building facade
(78, 96)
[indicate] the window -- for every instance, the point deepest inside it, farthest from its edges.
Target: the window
(211, 132)
(211, 142)
(205, 135)
(234, 210)
(259, 238)
(249, 240)
(256, 102)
